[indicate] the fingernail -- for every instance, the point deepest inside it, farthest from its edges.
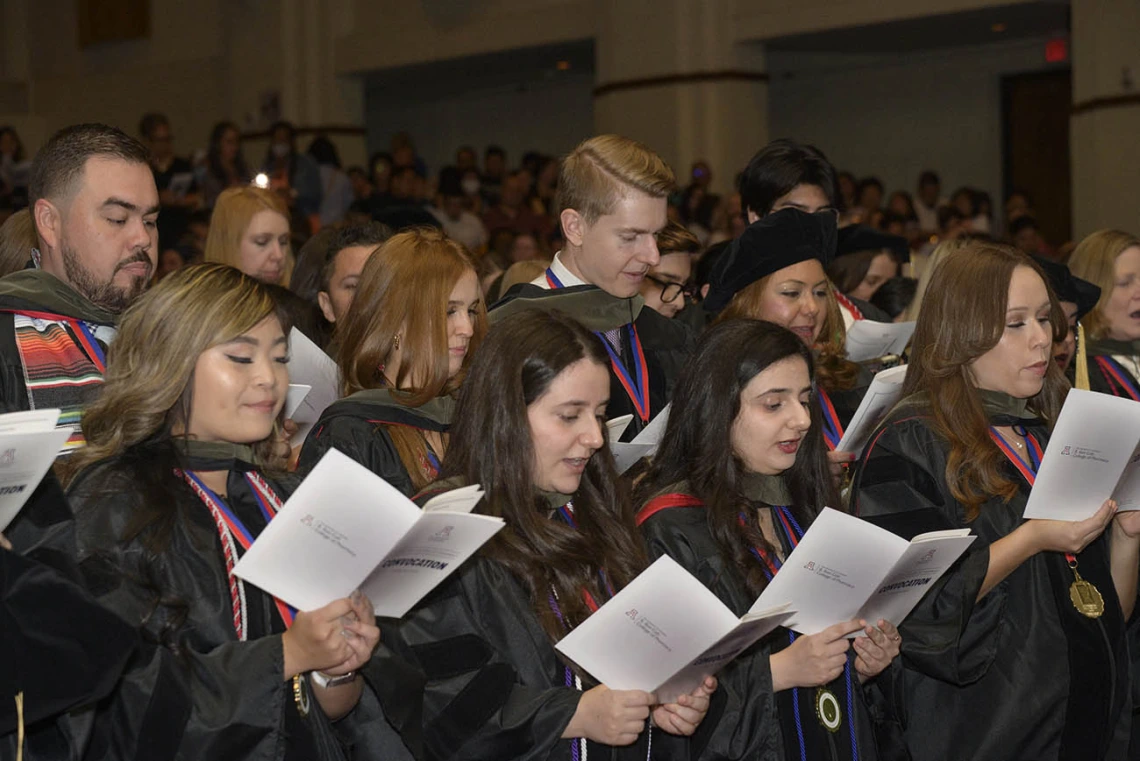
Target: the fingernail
(356, 597)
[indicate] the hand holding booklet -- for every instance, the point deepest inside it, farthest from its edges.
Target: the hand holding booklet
(1093, 455)
(346, 528)
(867, 339)
(664, 633)
(881, 396)
(845, 568)
(29, 443)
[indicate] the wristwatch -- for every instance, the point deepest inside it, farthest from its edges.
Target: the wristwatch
(326, 681)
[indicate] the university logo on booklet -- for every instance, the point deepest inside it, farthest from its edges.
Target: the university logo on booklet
(8, 457)
(307, 520)
(442, 535)
(928, 556)
(631, 614)
(1066, 450)
(810, 565)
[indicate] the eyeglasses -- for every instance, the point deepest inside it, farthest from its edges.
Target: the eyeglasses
(670, 291)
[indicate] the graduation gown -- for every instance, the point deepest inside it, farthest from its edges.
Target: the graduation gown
(757, 723)
(204, 693)
(665, 343)
(1019, 674)
(1107, 374)
(358, 426)
(496, 688)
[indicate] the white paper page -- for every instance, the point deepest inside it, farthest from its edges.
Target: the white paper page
(616, 427)
(329, 536)
(1091, 444)
(293, 398)
(461, 500)
(652, 433)
(839, 563)
(1127, 493)
(751, 628)
(884, 391)
(310, 366)
(24, 460)
(867, 339)
(29, 421)
(626, 454)
(650, 630)
(429, 553)
(920, 566)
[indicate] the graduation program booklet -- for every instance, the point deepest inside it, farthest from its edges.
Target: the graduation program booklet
(664, 633)
(1093, 454)
(846, 568)
(884, 391)
(347, 528)
(644, 444)
(867, 339)
(310, 366)
(29, 444)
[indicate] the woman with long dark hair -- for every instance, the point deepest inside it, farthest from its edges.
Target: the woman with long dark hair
(737, 479)
(1000, 661)
(530, 428)
(225, 163)
(403, 349)
(169, 492)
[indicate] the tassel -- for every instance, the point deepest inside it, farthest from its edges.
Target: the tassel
(20, 726)
(1082, 372)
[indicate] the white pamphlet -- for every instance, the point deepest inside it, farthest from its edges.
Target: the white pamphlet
(644, 444)
(347, 528)
(884, 391)
(294, 397)
(867, 339)
(664, 633)
(29, 443)
(616, 427)
(1092, 455)
(310, 366)
(846, 568)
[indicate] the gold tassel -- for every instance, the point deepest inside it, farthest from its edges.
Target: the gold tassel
(1082, 371)
(20, 725)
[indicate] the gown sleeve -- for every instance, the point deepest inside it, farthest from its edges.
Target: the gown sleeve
(901, 485)
(196, 694)
(742, 721)
(467, 638)
(365, 442)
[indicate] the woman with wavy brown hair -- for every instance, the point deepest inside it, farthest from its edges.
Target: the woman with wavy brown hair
(530, 428)
(403, 348)
(1000, 662)
(170, 491)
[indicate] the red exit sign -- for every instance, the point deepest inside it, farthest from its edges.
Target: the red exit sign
(1057, 50)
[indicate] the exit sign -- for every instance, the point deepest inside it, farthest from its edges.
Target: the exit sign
(1057, 50)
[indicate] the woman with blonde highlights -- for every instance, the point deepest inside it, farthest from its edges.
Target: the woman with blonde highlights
(402, 349)
(1110, 259)
(169, 493)
(1000, 662)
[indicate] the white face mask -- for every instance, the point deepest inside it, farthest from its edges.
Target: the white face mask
(470, 185)
(280, 150)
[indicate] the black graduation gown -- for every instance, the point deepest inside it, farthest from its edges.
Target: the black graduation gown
(357, 426)
(1019, 674)
(56, 664)
(666, 343)
(756, 723)
(1105, 382)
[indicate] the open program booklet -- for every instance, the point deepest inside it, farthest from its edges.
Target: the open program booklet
(664, 633)
(846, 568)
(347, 528)
(29, 443)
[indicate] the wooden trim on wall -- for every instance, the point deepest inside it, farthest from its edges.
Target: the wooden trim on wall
(727, 75)
(1109, 101)
(319, 129)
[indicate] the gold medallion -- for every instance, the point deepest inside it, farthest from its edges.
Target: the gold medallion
(827, 709)
(1086, 597)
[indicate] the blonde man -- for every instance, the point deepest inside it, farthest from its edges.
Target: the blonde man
(612, 195)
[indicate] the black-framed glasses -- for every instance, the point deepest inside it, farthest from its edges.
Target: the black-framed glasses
(670, 291)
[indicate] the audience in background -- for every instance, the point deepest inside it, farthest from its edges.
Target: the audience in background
(225, 165)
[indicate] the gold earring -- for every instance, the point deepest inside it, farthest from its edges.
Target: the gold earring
(396, 342)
